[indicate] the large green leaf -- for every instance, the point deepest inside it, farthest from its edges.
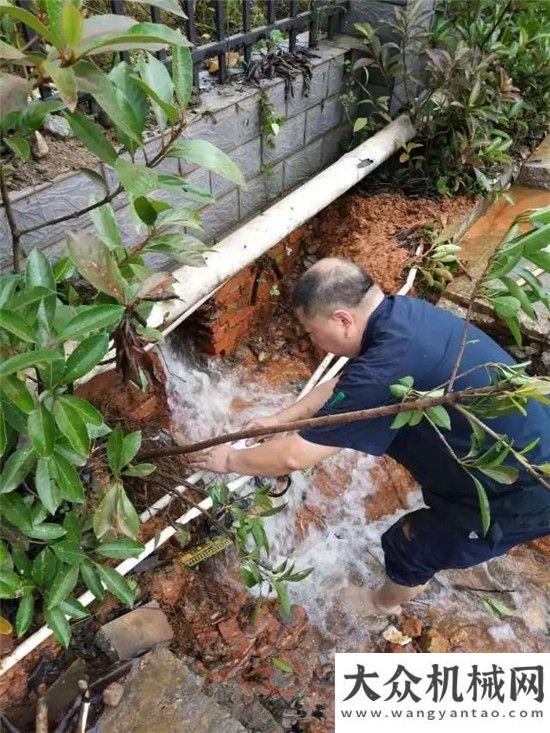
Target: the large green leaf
(91, 318)
(71, 607)
(10, 583)
(15, 469)
(535, 240)
(65, 580)
(69, 552)
(65, 81)
(70, 423)
(106, 225)
(41, 429)
(501, 474)
(140, 470)
(38, 271)
(44, 568)
(99, 25)
(155, 75)
(170, 6)
(13, 323)
(25, 613)
(168, 110)
(92, 80)
(72, 25)
(120, 549)
(127, 517)
(15, 510)
(439, 416)
(90, 414)
(54, 11)
(14, 91)
(92, 136)
(30, 296)
(130, 446)
(91, 579)
(104, 515)
(95, 262)
(19, 146)
(10, 53)
(183, 247)
(207, 155)
(115, 443)
(193, 193)
(137, 179)
(516, 291)
(46, 531)
(85, 357)
(484, 507)
(47, 490)
(141, 36)
(68, 481)
(55, 618)
(3, 431)
(115, 583)
(122, 77)
(182, 74)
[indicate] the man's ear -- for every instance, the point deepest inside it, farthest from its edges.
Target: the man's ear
(342, 316)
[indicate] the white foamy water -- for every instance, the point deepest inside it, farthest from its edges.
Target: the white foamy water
(346, 548)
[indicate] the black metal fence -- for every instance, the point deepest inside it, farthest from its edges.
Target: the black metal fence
(321, 17)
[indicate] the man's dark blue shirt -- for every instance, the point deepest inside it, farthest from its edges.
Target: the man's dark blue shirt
(410, 337)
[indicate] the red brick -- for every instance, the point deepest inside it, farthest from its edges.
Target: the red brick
(231, 631)
(146, 409)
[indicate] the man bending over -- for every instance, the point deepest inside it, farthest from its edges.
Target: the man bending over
(388, 338)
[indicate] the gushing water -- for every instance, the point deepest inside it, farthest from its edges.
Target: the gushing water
(206, 399)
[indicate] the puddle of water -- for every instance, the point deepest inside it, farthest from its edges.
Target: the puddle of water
(340, 544)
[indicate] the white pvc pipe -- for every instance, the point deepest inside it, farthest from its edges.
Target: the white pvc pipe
(231, 255)
(257, 236)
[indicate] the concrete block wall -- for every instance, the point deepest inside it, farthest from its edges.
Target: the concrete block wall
(229, 117)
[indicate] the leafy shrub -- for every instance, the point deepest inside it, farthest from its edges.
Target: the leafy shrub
(475, 85)
(57, 322)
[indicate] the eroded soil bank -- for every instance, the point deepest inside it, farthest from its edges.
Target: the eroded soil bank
(333, 521)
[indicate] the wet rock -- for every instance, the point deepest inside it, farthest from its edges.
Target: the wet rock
(58, 127)
(394, 636)
(39, 146)
(433, 641)
(245, 707)
(400, 648)
(134, 633)
(63, 691)
(112, 694)
(411, 626)
(163, 695)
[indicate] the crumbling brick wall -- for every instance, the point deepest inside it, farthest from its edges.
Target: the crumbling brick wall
(246, 300)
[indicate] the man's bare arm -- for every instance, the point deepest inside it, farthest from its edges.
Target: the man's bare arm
(308, 405)
(279, 456)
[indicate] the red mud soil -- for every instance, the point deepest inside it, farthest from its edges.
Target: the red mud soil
(370, 230)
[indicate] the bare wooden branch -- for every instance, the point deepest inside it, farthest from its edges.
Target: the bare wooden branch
(344, 418)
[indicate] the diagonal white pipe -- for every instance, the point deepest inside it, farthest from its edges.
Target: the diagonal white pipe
(229, 257)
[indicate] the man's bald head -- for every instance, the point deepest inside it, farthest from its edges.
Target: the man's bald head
(329, 284)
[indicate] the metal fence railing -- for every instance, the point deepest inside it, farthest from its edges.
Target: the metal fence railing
(321, 17)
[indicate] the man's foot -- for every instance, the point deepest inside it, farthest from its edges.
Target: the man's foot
(364, 603)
